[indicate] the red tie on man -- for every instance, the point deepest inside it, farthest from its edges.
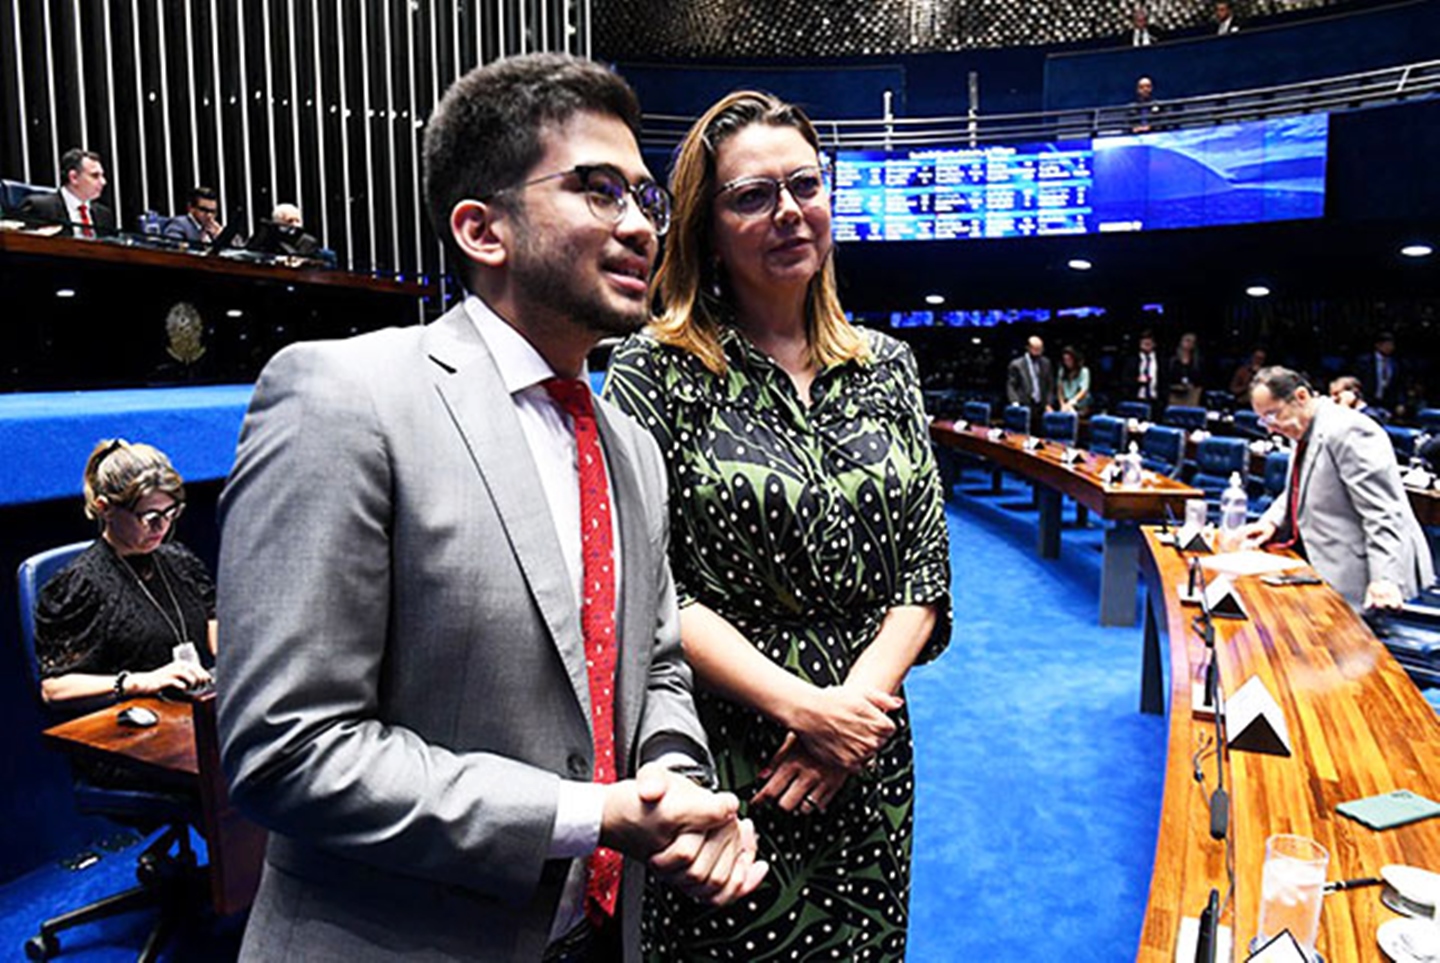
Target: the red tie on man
(597, 620)
(87, 226)
(1298, 460)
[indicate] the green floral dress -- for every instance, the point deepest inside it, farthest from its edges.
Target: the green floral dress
(802, 527)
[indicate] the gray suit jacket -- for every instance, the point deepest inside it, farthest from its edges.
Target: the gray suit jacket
(1354, 516)
(404, 683)
(1019, 386)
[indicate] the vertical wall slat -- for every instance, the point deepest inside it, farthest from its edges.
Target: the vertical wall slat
(367, 116)
(162, 51)
(140, 104)
(194, 112)
(50, 86)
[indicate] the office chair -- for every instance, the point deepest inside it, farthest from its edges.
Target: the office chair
(165, 880)
(1016, 419)
(1429, 420)
(1139, 410)
(1185, 416)
(1215, 460)
(1277, 472)
(1247, 423)
(13, 194)
(976, 413)
(1403, 441)
(1221, 401)
(1060, 426)
(1162, 450)
(1107, 435)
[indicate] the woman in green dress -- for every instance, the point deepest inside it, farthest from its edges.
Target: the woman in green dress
(808, 539)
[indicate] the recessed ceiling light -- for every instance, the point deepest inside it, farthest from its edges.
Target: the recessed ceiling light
(234, 313)
(1079, 264)
(974, 340)
(65, 293)
(1258, 291)
(934, 299)
(1417, 250)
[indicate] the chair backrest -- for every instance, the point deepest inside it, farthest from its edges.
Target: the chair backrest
(13, 193)
(1017, 420)
(1220, 457)
(1277, 469)
(1185, 416)
(1403, 441)
(1060, 426)
(1107, 434)
(1429, 420)
(1247, 422)
(1162, 448)
(1216, 400)
(977, 412)
(1138, 410)
(31, 577)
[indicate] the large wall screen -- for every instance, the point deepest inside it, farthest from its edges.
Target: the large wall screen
(1268, 170)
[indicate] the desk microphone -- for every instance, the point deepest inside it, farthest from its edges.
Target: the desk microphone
(1209, 919)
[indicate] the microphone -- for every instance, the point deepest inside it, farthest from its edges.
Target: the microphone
(1205, 940)
(1219, 810)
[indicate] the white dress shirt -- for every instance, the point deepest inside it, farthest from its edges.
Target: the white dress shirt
(72, 209)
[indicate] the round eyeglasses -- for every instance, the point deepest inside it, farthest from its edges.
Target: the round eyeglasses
(759, 196)
(608, 194)
(158, 518)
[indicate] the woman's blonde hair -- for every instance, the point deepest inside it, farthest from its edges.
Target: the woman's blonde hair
(691, 293)
(123, 473)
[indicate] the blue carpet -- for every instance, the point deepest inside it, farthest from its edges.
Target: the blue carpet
(1038, 790)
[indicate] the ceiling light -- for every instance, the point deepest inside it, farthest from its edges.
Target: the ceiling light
(1258, 291)
(1079, 264)
(65, 293)
(1417, 250)
(934, 299)
(974, 340)
(234, 313)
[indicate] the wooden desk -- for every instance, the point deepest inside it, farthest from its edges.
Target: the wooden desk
(1083, 481)
(1358, 727)
(183, 751)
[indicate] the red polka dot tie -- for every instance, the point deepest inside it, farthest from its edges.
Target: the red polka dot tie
(87, 226)
(597, 620)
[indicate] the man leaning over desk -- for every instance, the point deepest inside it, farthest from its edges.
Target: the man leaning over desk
(1344, 508)
(453, 684)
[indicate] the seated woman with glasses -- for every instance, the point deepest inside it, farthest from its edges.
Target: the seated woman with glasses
(134, 614)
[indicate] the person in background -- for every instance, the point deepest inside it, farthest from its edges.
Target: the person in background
(1030, 381)
(1141, 375)
(1245, 373)
(134, 614)
(1073, 382)
(1344, 508)
(75, 206)
(285, 235)
(200, 224)
(809, 541)
(1225, 22)
(1184, 372)
(454, 688)
(1144, 110)
(1382, 375)
(1142, 33)
(1347, 392)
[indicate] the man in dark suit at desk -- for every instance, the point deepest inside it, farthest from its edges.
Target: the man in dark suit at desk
(200, 224)
(1030, 381)
(453, 686)
(1344, 508)
(75, 206)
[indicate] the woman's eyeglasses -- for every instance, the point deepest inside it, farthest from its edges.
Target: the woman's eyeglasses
(608, 194)
(758, 196)
(158, 518)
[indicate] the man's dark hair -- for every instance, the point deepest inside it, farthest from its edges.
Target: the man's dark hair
(202, 193)
(484, 136)
(1281, 382)
(72, 160)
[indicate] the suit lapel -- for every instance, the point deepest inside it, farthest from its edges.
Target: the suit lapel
(482, 411)
(1314, 448)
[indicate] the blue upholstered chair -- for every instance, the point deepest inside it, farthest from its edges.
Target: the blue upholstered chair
(1403, 441)
(976, 412)
(1107, 434)
(1162, 450)
(1247, 423)
(1277, 470)
(1215, 460)
(1219, 400)
(164, 879)
(1138, 410)
(1429, 420)
(1184, 416)
(1060, 426)
(13, 193)
(1016, 420)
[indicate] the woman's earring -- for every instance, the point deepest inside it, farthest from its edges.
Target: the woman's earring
(715, 281)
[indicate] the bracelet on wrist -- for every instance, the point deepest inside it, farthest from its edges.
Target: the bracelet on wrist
(120, 684)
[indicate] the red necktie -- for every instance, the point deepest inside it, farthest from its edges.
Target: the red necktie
(1294, 498)
(87, 227)
(597, 620)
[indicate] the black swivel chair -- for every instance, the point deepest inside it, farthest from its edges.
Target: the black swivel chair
(166, 880)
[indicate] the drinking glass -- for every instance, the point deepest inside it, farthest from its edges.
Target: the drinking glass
(1195, 512)
(1292, 884)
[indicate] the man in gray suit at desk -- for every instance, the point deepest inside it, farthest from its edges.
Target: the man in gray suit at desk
(452, 681)
(1344, 508)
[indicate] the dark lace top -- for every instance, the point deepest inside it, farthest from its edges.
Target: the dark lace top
(94, 617)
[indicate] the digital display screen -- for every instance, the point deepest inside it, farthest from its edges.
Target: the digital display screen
(1228, 174)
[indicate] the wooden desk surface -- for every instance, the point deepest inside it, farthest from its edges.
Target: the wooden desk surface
(1358, 727)
(181, 749)
(1082, 481)
(35, 245)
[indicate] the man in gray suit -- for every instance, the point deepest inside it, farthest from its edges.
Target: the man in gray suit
(1030, 381)
(1344, 507)
(417, 697)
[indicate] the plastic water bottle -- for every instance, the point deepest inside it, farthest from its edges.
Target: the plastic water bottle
(1130, 467)
(1234, 505)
